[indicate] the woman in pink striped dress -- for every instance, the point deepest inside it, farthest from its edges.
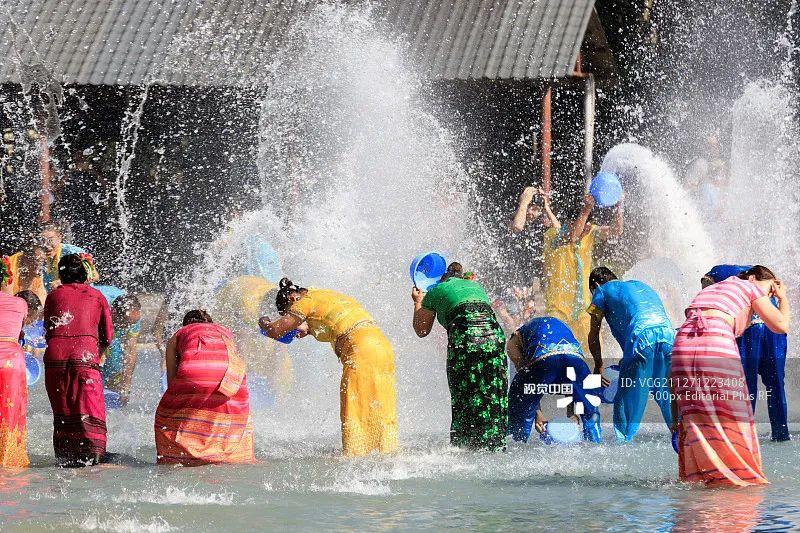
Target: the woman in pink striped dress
(717, 440)
(204, 416)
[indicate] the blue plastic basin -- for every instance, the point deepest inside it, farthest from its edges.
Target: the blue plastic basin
(112, 399)
(426, 270)
(606, 189)
(33, 370)
(561, 430)
(607, 394)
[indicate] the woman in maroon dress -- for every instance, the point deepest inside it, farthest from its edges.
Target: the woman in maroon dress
(79, 328)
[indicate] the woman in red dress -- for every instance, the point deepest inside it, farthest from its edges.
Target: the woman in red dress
(13, 388)
(79, 328)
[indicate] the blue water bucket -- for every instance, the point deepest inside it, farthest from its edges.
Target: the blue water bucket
(427, 269)
(675, 441)
(288, 337)
(606, 189)
(561, 430)
(112, 399)
(607, 394)
(33, 370)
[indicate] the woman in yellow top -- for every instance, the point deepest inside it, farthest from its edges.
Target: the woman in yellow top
(567, 265)
(368, 398)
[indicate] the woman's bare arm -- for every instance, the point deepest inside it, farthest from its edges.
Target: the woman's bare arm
(172, 358)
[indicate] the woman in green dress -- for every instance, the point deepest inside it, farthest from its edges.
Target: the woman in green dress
(477, 369)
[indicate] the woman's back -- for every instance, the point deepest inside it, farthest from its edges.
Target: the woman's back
(12, 313)
(449, 294)
(76, 310)
(733, 296)
(203, 354)
(329, 313)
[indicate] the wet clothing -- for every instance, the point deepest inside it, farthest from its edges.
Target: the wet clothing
(113, 365)
(763, 354)
(549, 351)
(544, 336)
(368, 395)
(204, 415)
(643, 373)
(13, 386)
(717, 443)
(640, 325)
(566, 274)
(444, 297)
(78, 322)
(477, 374)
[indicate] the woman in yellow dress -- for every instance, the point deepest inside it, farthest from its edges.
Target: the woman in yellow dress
(367, 392)
(567, 265)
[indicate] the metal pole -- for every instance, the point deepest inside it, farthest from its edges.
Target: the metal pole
(547, 136)
(588, 126)
(46, 173)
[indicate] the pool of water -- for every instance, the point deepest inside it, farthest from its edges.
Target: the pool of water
(301, 481)
(426, 485)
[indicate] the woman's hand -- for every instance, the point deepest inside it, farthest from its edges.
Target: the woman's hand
(527, 195)
(588, 202)
(302, 330)
(779, 289)
(417, 295)
(540, 422)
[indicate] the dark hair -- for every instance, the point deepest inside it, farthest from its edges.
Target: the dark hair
(599, 276)
(285, 289)
(197, 316)
(454, 270)
(124, 303)
(761, 273)
(72, 270)
(33, 301)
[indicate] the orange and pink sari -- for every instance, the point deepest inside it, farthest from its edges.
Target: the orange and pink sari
(717, 439)
(13, 388)
(204, 416)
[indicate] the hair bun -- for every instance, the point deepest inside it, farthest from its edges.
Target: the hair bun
(285, 283)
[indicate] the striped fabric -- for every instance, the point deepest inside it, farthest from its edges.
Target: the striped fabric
(717, 443)
(733, 296)
(204, 416)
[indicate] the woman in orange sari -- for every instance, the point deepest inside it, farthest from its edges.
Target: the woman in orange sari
(717, 439)
(204, 416)
(13, 388)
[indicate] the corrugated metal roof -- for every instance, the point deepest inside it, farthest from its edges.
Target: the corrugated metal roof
(231, 42)
(464, 39)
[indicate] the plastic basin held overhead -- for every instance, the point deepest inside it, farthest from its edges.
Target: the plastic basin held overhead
(606, 189)
(426, 270)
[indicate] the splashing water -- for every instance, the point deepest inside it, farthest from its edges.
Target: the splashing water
(669, 216)
(759, 214)
(357, 179)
